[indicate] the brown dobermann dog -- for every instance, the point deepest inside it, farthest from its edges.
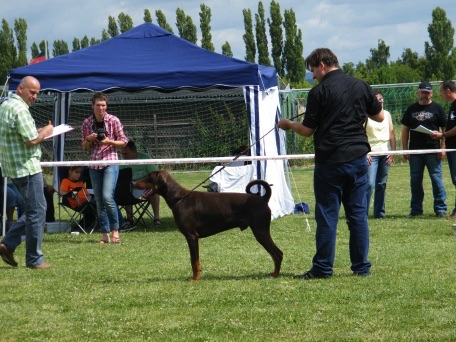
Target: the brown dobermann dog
(201, 214)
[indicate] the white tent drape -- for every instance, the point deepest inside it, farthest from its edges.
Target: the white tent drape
(263, 110)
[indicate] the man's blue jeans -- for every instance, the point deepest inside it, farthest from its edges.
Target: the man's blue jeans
(31, 223)
(378, 175)
(451, 156)
(104, 183)
(434, 166)
(334, 184)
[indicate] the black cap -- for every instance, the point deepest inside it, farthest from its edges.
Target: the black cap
(425, 86)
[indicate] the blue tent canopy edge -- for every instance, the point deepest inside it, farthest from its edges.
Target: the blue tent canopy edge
(146, 56)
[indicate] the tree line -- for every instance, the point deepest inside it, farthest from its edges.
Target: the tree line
(281, 48)
(437, 63)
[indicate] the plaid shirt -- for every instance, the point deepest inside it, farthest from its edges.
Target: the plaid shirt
(16, 128)
(114, 131)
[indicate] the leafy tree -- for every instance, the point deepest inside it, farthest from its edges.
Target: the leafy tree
(410, 58)
(76, 45)
(293, 61)
(249, 38)
(8, 51)
(226, 50)
(94, 41)
(60, 47)
(405, 74)
(84, 42)
(300, 69)
(185, 26)
(379, 57)
(411, 65)
(276, 32)
(44, 47)
(161, 19)
(20, 28)
(34, 49)
(440, 53)
(113, 30)
(205, 25)
(383, 75)
(361, 71)
(125, 22)
(104, 35)
(147, 16)
(261, 37)
(349, 69)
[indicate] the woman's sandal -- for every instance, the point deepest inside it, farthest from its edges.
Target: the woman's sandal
(103, 241)
(115, 240)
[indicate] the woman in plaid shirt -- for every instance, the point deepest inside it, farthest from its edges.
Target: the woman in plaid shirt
(102, 134)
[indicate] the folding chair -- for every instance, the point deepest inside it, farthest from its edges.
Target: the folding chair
(78, 215)
(123, 197)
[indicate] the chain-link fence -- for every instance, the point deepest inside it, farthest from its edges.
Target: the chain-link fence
(397, 98)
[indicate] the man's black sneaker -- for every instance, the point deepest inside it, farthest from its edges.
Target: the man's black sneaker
(308, 276)
(414, 215)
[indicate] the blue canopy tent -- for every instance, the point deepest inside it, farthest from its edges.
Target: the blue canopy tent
(148, 56)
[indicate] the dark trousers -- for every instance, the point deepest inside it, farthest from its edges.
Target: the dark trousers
(50, 216)
(334, 184)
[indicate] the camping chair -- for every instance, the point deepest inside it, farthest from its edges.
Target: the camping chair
(123, 197)
(78, 215)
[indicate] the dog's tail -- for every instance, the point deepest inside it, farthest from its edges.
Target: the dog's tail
(264, 184)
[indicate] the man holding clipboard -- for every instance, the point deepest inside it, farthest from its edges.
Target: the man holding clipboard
(418, 123)
(20, 158)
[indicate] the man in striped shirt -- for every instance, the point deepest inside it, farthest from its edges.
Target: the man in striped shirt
(20, 156)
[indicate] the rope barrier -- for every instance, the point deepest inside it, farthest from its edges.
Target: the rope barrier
(174, 161)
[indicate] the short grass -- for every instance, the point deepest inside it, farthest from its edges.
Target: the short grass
(140, 290)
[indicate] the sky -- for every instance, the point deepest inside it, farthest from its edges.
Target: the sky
(350, 28)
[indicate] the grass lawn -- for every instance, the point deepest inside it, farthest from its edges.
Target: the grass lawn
(140, 290)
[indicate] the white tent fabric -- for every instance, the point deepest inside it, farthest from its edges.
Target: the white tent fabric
(269, 141)
(233, 178)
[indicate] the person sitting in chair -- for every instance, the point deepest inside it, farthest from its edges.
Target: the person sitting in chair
(77, 194)
(140, 171)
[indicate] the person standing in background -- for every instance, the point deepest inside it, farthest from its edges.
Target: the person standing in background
(102, 134)
(448, 93)
(20, 158)
(381, 138)
(432, 116)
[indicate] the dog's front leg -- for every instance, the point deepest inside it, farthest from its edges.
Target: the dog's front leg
(193, 247)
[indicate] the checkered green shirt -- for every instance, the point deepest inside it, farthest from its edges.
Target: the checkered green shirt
(17, 127)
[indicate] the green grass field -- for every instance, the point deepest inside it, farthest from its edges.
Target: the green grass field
(140, 290)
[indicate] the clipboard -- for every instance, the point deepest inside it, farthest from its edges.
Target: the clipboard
(60, 129)
(422, 129)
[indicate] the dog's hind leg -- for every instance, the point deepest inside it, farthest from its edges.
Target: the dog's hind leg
(265, 239)
(193, 247)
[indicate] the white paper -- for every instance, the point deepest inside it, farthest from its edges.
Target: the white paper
(59, 130)
(423, 129)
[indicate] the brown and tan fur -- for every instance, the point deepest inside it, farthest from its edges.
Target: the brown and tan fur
(202, 214)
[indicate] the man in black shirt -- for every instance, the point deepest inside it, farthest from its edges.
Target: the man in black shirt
(337, 109)
(432, 116)
(448, 93)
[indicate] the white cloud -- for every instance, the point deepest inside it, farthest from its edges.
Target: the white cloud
(349, 27)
